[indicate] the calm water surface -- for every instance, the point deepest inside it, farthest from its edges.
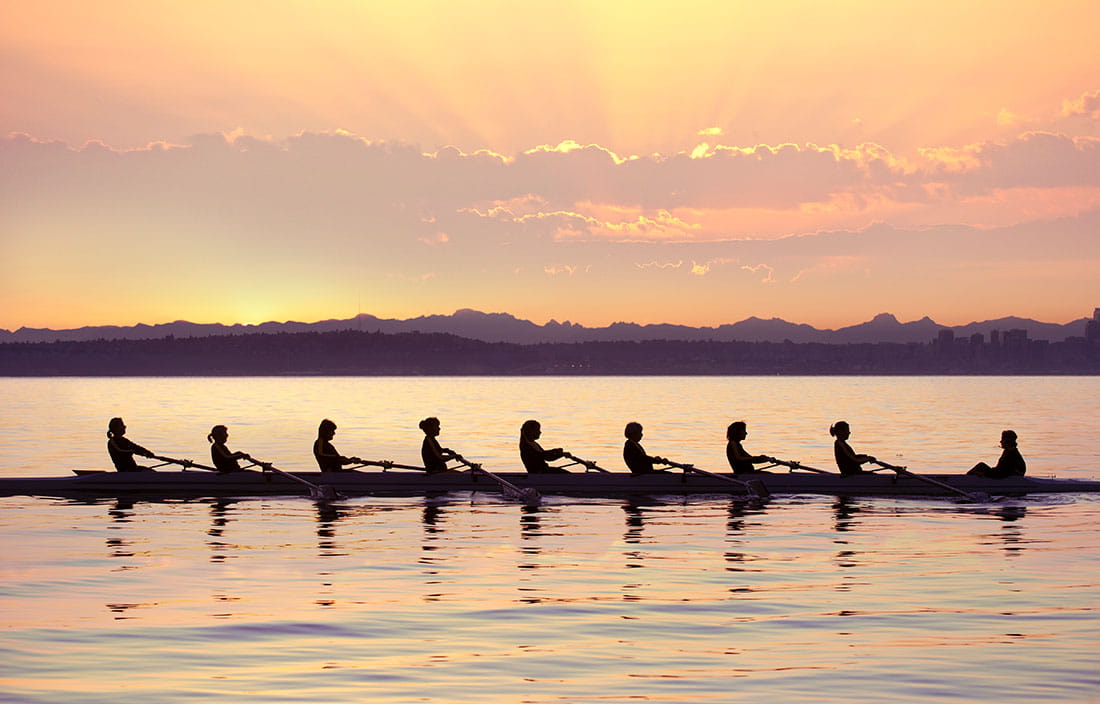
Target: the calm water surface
(469, 598)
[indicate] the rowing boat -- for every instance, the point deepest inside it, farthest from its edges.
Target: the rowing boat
(192, 484)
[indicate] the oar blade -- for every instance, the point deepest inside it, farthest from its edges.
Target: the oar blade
(758, 489)
(324, 492)
(530, 496)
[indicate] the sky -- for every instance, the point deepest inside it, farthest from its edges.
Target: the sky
(598, 161)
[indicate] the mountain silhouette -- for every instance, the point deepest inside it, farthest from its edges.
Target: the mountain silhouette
(503, 327)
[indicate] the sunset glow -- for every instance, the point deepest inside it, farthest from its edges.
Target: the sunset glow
(698, 163)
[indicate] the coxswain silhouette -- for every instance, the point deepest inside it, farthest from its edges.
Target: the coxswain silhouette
(1010, 464)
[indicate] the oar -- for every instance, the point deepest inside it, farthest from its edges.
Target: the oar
(386, 464)
(186, 464)
(319, 492)
(979, 497)
(589, 465)
(530, 495)
(754, 487)
(798, 465)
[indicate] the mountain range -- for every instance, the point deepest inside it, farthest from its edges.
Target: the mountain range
(502, 327)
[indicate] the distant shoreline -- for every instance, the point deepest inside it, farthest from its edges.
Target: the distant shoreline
(502, 327)
(351, 353)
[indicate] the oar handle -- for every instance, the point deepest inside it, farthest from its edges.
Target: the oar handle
(588, 464)
(887, 465)
(463, 460)
(385, 465)
(793, 464)
(186, 464)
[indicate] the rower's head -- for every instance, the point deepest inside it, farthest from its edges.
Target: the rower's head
(327, 429)
(430, 426)
(633, 431)
(116, 428)
(531, 429)
(737, 430)
(840, 429)
(1008, 438)
(219, 433)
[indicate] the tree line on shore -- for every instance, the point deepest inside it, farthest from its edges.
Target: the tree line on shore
(380, 354)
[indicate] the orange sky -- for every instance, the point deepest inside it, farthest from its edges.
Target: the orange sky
(592, 161)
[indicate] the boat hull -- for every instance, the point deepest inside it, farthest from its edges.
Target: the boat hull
(194, 484)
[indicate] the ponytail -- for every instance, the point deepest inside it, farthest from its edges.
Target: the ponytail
(214, 431)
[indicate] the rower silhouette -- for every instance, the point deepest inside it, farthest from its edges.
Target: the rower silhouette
(534, 458)
(847, 461)
(328, 459)
(741, 462)
(1010, 464)
(223, 458)
(634, 455)
(122, 449)
(434, 456)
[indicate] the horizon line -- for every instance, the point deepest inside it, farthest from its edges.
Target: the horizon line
(549, 321)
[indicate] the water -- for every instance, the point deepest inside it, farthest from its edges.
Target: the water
(469, 598)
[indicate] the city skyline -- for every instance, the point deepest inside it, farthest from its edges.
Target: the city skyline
(592, 162)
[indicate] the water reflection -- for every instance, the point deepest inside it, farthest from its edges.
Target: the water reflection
(530, 526)
(328, 515)
(530, 530)
(220, 512)
(433, 517)
(735, 537)
(530, 533)
(433, 514)
(635, 510)
(845, 518)
(846, 513)
(120, 515)
(1011, 535)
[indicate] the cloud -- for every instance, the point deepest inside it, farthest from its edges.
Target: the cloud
(1032, 160)
(1087, 104)
(566, 269)
(439, 238)
(833, 264)
(1007, 118)
(379, 197)
(704, 268)
(340, 174)
(757, 268)
(659, 265)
